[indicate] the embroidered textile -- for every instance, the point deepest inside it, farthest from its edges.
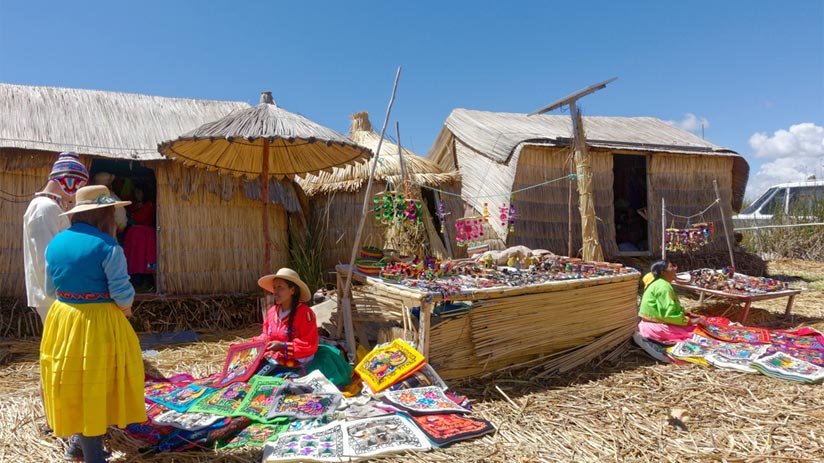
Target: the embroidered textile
(386, 434)
(242, 360)
(446, 429)
(324, 444)
(190, 421)
(225, 401)
(258, 400)
(384, 366)
(299, 402)
(729, 333)
(182, 398)
(256, 434)
(426, 376)
(781, 365)
(422, 400)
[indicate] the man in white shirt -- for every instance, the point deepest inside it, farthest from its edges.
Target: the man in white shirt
(42, 221)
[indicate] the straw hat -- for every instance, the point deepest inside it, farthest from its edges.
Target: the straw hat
(94, 197)
(286, 274)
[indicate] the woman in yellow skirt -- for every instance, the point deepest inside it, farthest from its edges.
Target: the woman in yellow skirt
(90, 359)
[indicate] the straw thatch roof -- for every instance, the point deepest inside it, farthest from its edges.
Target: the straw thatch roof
(234, 144)
(498, 136)
(351, 178)
(113, 125)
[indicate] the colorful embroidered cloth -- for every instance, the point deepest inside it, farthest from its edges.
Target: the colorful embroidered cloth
(225, 401)
(325, 444)
(258, 400)
(446, 429)
(385, 366)
(188, 421)
(422, 400)
(386, 434)
(781, 365)
(182, 398)
(731, 333)
(148, 431)
(426, 376)
(242, 360)
(318, 382)
(256, 434)
(299, 402)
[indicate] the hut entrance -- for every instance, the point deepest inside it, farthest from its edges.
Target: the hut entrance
(136, 231)
(630, 193)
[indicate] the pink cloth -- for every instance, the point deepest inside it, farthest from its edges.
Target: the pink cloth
(663, 332)
(140, 247)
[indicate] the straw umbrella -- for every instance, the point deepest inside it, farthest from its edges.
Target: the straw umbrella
(264, 141)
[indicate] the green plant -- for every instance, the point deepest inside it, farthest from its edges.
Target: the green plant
(306, 251)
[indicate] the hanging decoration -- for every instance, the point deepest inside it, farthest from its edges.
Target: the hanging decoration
(469, 231)
(508, 216)
(442, 216)
(688, 239)
(486, 212)
(393, 208)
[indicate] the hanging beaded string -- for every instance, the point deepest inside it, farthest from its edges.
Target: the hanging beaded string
(442, 215)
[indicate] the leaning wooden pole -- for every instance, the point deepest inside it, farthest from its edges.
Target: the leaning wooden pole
(589, 222)
(264, 193)
(346, 300)
(724, 222)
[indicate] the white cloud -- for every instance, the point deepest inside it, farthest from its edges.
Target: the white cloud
(691, 123)
(792, 155)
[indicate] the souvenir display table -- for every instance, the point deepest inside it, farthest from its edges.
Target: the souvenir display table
(686, 281)
(514, 317)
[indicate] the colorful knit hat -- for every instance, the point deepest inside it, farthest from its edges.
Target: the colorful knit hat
(69, 172)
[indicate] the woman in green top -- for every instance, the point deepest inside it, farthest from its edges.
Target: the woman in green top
(662, 317)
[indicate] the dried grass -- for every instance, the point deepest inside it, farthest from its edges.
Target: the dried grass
(623, 406)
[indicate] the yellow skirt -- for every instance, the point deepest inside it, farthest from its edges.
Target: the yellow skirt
(91, 368)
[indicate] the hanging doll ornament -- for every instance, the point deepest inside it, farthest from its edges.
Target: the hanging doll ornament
(486, 212)
(469, 231)
(508, 217)
(442, 215)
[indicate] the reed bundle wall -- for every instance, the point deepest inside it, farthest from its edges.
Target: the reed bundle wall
(22, 174)
(686, 184)
(211, 234)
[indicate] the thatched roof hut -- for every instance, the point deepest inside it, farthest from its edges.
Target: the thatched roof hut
(636, 161)
(208, 225)
(337, 197)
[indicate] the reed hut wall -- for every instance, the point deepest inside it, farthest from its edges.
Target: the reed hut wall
(22, 173)
(686, 184)
(210, 231)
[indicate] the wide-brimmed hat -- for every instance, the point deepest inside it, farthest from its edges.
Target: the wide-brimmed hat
(265, 282)
(94, 197)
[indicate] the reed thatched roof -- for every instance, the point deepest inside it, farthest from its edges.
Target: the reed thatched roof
(235, 144)
(113, 125)
(497, 136)
(351, 178)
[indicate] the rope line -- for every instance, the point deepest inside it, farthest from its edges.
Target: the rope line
(514, 192)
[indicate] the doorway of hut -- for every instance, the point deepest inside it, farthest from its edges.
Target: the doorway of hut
(630, 207)
(136, 223)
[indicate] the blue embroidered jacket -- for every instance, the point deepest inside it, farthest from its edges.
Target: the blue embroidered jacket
(85, 265)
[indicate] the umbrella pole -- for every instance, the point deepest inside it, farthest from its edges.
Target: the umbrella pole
(346, 300)
(264, 188)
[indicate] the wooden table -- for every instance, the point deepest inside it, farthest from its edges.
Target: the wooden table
(747, 299)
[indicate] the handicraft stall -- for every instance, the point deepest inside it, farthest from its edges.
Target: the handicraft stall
(499, 310)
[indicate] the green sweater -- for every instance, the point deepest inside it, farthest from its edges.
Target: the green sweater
(660, 304)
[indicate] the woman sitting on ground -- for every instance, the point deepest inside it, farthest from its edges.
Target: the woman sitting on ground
(289, 327)
(663, 318)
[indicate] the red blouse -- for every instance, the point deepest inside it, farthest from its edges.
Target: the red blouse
(304, 341)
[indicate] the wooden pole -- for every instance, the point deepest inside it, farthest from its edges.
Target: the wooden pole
(663, 229)
(346, 300)
(589, 222)
(400, 153)
(264, 192)
(724, 222)
(569, 214)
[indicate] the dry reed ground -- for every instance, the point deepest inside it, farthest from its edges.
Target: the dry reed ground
(620, 407)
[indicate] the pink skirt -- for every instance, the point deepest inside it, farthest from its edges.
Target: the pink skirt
(666, 333)
(140, 247)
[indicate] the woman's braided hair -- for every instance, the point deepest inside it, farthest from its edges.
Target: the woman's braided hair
(295, 301)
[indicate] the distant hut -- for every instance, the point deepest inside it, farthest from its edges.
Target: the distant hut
(208, 225)
(636, 161)
(336, 199)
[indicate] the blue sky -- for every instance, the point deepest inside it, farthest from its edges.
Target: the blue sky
(752, 72)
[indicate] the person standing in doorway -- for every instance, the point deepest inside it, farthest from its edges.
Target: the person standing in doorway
(42, 221)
